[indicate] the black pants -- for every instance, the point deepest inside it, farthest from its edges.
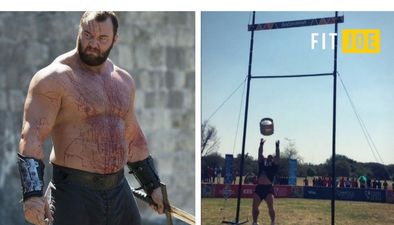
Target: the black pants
(82, 198)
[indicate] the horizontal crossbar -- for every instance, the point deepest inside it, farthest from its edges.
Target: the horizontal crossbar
(294, 76)
(296, 23)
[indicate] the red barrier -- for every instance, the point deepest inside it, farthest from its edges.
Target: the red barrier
(282, 191)
(231, 191)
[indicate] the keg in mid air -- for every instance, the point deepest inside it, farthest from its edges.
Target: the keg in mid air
(266, 126)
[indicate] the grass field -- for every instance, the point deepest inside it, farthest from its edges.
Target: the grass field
(297, 211)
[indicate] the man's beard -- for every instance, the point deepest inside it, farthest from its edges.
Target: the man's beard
(92, 60)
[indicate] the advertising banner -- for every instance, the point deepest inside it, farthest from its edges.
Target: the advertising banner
(292, 172)
(228, 168)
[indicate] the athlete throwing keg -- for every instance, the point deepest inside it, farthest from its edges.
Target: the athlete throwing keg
(268, 167)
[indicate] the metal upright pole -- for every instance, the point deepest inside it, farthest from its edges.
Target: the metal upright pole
(241, 170)
(333, 183)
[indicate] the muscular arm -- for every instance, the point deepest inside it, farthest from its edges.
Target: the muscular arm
(136, 141)
(261, 149)
(138, 156)
(41, 107)
(40, 111)
(277, 152)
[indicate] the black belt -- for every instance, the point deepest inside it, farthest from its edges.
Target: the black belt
(93, 181)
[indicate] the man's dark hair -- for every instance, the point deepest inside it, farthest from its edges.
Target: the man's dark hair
(100, 16)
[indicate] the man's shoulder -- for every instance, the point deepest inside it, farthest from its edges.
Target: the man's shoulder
(55, 70)
(123, 74)
(51, 77)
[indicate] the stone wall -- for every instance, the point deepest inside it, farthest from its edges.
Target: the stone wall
(157, 48)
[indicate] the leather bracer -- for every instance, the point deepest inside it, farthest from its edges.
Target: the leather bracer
(146, 174)
(32, 176)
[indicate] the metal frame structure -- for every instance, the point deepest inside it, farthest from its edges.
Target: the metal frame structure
(279, 25)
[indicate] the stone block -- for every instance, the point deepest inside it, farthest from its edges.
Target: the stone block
(140, 35)
(155, 80)
(139, 100)
(25, 77)
(188, 99)
(183, 119)
(165, 35)
(180, 58)
(150, 100)
(190, 81)
(162, 141)
(143, 19)
(175, 100)
(142, 78)
(12, 79)
(160, 77)
(158, 58)
(179, 18)
(124, 57)
(136, 74)
(185, 36)
(36, 54)
(170, 80)
(149, 57)
(152, 120)
(175, 80)
(142, 55)
(176, 58)
(8, 47)
(3, 80)
(190, 59)
(3, 100)
(16, 100)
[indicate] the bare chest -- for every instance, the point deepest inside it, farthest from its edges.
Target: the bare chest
(90, 96)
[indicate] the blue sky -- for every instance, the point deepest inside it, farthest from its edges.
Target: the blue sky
(301, 107)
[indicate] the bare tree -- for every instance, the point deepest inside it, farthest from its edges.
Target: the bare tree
(291, 152)
(209, 139)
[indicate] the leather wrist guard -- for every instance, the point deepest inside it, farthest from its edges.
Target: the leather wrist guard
(146, 174)
(32, 176)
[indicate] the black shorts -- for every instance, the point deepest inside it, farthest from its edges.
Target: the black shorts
(92, 199)
(263, 190)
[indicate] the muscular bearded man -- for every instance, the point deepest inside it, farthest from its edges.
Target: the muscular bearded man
(86, 104)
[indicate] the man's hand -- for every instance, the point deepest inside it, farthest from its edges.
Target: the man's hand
(262, 141)
(158, 199)
(277, 144)
(37, 211)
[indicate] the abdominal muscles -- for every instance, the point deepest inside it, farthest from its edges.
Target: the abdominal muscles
(95, 145)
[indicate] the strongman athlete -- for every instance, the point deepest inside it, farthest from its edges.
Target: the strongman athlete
(264, 191)
(86, 104)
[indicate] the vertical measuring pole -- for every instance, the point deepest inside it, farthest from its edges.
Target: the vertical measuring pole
(334, 124)
(241, 169)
